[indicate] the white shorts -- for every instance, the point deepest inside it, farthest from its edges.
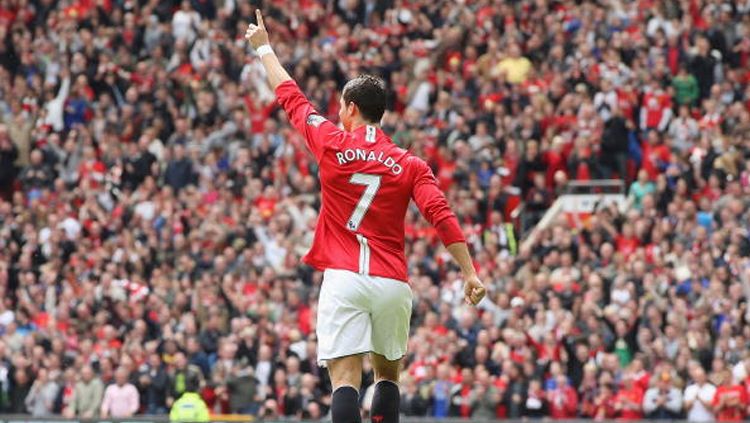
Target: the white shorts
(359, 314)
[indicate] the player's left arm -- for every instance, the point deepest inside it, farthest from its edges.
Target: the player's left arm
(317, 130)
(434, 207)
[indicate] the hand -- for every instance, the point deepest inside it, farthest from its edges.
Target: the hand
(256, 34)
(661, 400)
(473, 290)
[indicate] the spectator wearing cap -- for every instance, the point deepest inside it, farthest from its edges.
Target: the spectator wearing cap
(517, 303)
(663, 401)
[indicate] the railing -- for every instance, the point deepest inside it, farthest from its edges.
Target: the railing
(160, 419)
(526, 224)
(593, 191)
(596, 186)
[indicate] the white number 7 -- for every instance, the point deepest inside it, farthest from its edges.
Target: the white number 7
(372, 182)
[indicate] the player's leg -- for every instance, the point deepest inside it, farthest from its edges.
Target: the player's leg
(344, 331)
(386, 399)
(346, 379)
(391, 313)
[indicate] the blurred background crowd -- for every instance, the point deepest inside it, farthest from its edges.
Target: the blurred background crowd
(155, 204)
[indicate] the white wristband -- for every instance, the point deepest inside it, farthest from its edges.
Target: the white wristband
(263, 50)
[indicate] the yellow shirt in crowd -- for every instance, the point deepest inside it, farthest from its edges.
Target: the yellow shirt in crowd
(516, 69)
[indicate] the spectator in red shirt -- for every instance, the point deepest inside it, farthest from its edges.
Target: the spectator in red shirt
(563, 399)
(461, 395)
(628, 403)
(604, 408)
(730, 401)
(627, 242)
(656, 155)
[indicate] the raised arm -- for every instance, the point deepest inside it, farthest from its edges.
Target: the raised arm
(257, 35)
(317, 130)
(435, 209)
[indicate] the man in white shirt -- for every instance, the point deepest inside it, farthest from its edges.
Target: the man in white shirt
(698, 397)
(185, 22)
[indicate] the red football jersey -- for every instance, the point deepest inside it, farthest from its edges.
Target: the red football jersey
(366, 183)
(735, 406)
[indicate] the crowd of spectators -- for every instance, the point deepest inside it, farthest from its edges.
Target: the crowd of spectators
(155, 204)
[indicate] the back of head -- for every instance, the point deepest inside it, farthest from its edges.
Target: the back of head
(368, 93)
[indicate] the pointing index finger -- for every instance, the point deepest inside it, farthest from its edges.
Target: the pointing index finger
(259, 18)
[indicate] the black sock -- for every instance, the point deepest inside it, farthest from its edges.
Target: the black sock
(385, 402)
(345, 405)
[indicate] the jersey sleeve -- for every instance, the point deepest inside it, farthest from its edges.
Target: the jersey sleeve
(318, 131)
(433, 204)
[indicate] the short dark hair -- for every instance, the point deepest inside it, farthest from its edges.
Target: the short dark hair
(368, 93)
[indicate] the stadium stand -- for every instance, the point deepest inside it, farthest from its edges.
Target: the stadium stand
(155, 204)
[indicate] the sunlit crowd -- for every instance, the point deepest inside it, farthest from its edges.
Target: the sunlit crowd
(155, 203)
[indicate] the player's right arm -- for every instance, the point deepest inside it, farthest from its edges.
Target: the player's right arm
(258, 38)
(317, 130)
(434, 207)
